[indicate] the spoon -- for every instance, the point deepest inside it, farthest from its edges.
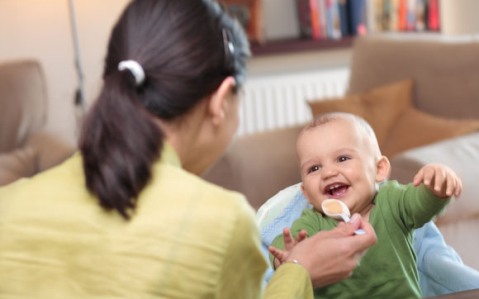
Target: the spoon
(338, 210)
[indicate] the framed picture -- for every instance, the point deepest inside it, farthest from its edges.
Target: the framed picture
(249, 14)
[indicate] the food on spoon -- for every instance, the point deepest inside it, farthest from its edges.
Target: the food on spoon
(333, 207)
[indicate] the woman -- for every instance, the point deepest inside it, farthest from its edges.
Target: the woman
(129, 216)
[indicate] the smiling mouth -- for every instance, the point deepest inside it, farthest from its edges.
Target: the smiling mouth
(336, 190)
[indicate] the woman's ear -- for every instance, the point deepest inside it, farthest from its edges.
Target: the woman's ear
(383, 169)
(218, 100)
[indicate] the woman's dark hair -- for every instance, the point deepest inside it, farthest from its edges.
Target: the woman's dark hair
(186, 49)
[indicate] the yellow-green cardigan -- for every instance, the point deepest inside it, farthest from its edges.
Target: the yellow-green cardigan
(187, 239)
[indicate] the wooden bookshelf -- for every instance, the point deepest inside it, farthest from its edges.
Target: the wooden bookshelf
(349, 15)
(290, 46)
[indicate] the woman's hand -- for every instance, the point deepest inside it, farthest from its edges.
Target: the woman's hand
(330, 256)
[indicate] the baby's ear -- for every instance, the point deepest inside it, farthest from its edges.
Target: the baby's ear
(305, 193)
(383, 169)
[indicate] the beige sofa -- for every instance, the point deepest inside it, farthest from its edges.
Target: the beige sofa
(439, 127)
(26, 148)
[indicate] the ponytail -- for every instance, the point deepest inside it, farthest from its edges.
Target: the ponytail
(154, 69)
(119, 143)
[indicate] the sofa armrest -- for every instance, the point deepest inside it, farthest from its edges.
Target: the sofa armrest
(41, 151)
(16, 164)
(259, 165)
(49, 148)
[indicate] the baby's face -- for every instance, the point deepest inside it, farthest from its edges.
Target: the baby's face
(337, 161)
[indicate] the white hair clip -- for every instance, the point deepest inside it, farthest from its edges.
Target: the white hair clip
(227, 44)
(135, 69)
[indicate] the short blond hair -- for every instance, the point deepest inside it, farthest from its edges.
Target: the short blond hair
(358, 121)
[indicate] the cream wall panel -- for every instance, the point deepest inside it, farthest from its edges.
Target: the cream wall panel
(41, 30)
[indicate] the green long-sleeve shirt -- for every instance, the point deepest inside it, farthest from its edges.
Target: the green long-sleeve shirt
(388, 270)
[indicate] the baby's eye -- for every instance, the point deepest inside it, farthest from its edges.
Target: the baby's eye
(343, 158)
(313, 168)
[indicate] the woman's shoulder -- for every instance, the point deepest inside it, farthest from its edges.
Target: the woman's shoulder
(183, 185)
(60, 179)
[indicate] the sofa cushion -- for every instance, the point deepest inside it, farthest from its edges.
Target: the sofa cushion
(381, 106)
(258, 165)
(416, 128)
(399, 125)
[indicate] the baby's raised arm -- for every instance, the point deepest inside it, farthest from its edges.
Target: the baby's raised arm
(440, 179)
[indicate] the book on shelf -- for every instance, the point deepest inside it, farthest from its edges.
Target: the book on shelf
(357, 16)
(421, 15)
(343, 17)
(403, 15)
(333, 22)
(308, 17)
(322, 18)
(331, 19)
(411, 15)
(335, 19)
(433, 20)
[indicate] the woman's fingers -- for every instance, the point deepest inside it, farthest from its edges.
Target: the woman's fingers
(330, 256)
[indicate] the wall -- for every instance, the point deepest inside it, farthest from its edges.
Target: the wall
(41, 30)
(459, 16)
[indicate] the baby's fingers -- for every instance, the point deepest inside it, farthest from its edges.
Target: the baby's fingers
(454, 186)
(449, 186)
(442, 182)
(458, 190)
(433, 177)
(301, 236)
(418, 178)
(447, 183)
(288, 239)
(425, 175)
(278, 254)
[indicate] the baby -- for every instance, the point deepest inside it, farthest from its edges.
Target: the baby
(340, 158)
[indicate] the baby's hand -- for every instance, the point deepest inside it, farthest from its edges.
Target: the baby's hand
(441, 180)
(281, 256)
